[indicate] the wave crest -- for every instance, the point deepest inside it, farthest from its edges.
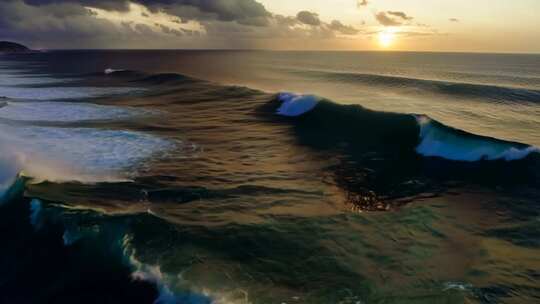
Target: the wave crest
(438, 140)
(296, 105)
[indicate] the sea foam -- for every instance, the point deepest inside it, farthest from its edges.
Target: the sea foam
(296, 105)
(110, 71)
(76, 154)
(437, 140)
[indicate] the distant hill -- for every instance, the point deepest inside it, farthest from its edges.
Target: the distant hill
(12, 47)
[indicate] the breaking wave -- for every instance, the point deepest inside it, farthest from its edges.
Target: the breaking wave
(433, 138)
(453, 144)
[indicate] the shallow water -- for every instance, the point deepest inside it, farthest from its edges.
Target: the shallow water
(145, 186)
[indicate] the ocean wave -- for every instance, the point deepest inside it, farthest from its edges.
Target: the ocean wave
(433, 139)
(115, 238)
(121, 73)
(164, 282)
(439, 140)
(165, 78)
(11, 186)
(139, 77)
(473, 90)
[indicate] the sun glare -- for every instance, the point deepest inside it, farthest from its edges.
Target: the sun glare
(386, 38)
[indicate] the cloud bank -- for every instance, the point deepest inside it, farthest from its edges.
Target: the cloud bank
(157, 23)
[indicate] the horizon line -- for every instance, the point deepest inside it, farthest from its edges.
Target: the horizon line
(291, 50)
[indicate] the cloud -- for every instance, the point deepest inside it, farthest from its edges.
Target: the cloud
(362, 3)
(343, 29)
(453, 20)
(248, 12)
(121, 5)
(317, 25)
(385, 20)
(243, 11)
(392, 18)
(308, 18)
(70, 25)
(401, 15)
(158, 24)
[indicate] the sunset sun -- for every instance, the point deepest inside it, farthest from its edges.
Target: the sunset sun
(386, 38)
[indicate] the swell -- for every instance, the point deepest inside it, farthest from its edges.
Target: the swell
(392, 131)
(143, 78)
(472, 90)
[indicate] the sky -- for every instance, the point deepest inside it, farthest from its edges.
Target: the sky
(406, 25)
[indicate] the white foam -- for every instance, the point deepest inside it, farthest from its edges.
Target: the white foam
(168, 284)
(58, 93)
(440, 142)
(64, 111)
(148, 273)
(457, 286)
(77, 154)
(296, 105)
(110, 71)
(68, 154)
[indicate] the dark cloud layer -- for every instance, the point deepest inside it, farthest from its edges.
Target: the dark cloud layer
(71, 24)
(249, 12)
(104, 4)
(244, 11)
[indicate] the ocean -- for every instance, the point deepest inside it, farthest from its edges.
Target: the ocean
(269, 177)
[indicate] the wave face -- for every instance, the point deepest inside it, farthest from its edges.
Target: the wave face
(433, 138)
